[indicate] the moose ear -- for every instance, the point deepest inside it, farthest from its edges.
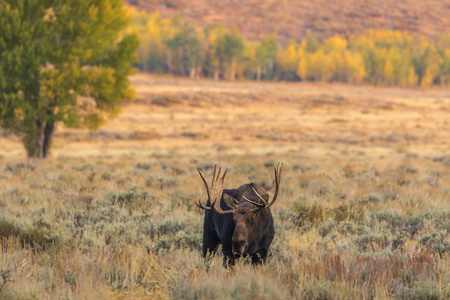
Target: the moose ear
(230, 201)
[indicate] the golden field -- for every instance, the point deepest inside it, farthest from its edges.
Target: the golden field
(364, 209)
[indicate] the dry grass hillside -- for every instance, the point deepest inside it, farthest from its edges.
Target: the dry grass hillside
(291, 19)
(363, 211)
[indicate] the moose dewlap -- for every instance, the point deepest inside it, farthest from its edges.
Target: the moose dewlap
(239, 219)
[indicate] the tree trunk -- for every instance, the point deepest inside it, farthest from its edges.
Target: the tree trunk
(258, 73)
(216, 74)
(169, 61)
(180, 58)
(419, 79)
(270, 67)
(48, 136)
(192, 73)
(38, 140)
(233, 71)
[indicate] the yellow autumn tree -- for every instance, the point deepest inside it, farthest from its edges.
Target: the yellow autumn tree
(354, 67)
(288, 62)
(412, 77)
(335, 44)
(249, 66)
(320, 66)
(388, 72)
(302, 67)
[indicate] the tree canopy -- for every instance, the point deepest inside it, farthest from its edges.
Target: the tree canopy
(62, 61)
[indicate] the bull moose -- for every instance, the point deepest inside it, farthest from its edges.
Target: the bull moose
(239, 219)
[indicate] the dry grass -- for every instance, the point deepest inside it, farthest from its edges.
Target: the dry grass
(258, 118)
(111, 215)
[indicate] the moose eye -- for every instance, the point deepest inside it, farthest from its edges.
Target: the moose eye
(251, 221)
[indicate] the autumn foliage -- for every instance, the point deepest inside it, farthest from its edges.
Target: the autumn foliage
(384, 57)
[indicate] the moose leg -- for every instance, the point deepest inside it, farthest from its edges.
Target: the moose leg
(211, 243)
(265, 243)
(227, 250)
(210, 251)
(228, 259)
(211, 240)
(257, 258)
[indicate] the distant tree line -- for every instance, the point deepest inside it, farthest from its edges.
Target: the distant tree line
(386, 57)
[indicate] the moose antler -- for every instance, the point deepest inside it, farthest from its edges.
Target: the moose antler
(215, 193)
(263, 204)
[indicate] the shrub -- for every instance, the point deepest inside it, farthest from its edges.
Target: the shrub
(132, 199)
(143, 166)
(319, 291)
(392, 219)
(400, 240)
(345, 212)
(326, 227)
(371, 198)
(371, 240)
(346, 228)
(166, 100)
(36, 235)
(425, 291)
(7, 229)
(414, 224)
(106, 176)
(161, 182)
(437, 241)
(313, 214)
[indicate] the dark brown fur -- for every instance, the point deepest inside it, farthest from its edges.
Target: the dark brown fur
(243, 233)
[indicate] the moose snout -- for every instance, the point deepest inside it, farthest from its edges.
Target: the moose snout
(238, 241)
(238, 247)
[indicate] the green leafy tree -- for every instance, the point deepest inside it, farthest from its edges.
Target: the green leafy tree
(61, 61)
(310, 43)
(214, 60)
(193, 54)
(185, 47)
(420, 58)
(266, 53)
(230, 47)
(443, 52)
(225, 50)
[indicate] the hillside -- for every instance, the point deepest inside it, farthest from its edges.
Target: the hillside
(293, 19)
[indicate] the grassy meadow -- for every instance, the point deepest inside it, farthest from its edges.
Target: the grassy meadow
(363, 211)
